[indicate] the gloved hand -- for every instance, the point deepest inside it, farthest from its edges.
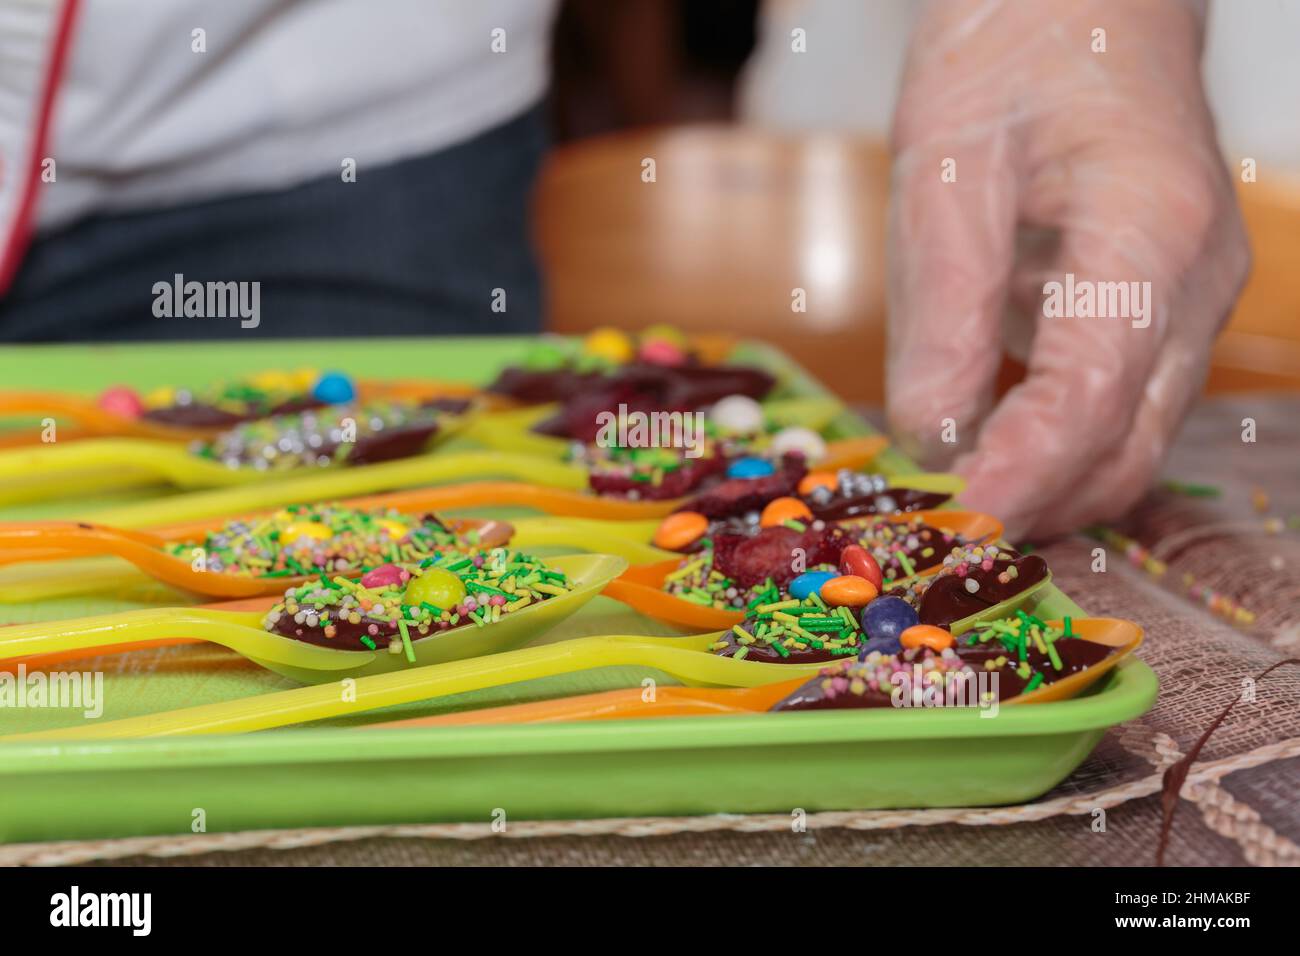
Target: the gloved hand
(1103, 165)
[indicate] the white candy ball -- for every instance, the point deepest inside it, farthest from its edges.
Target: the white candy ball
(737, 415)
(797, 438)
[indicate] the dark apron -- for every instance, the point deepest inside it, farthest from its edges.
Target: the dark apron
(417, 247)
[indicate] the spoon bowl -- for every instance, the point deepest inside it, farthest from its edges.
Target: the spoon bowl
(631, 704)
(242, 631)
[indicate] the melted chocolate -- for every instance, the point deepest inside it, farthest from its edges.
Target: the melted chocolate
(347, 636)
(738, 496)
(675, 484)
(1076, 655)
(200, 415)
(401, 441)
(947, 599)
(840, 507)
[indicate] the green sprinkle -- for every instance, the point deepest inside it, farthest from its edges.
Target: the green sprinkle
(406, 641)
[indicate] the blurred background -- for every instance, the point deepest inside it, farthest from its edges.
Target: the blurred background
(772, 173)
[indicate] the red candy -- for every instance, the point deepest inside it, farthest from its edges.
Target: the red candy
(857, 560)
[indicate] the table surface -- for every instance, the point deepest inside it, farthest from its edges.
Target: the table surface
(1237, 805)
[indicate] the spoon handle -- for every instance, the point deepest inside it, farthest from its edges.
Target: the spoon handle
(339, 483)
(627, 539)
(238, 631)
(325, 701)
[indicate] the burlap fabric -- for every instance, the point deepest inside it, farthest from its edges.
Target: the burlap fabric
(1237, 806)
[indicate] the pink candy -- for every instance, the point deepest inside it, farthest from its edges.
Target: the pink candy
(384, 575)
(120, 400)
(659, 352)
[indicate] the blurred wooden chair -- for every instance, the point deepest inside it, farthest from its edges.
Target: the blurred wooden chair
(734, 222)
(737, 219)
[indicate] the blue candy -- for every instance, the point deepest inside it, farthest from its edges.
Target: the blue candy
(810, 582)
(334, 388)
(885, 645)
(750, 468)
(883, 621)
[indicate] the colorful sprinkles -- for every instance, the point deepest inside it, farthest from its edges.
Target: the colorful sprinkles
(316, 437)
(791, 627)
(477, 587)
(309, 539)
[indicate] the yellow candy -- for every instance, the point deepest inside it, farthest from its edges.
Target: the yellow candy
(396, 530)
(435, 586)
(305, 529)
(305, 378)
(609, 344)
(664, 333)
(161, 397)
(272, 381)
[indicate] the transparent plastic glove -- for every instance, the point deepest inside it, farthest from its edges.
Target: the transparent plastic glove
(1066, 160)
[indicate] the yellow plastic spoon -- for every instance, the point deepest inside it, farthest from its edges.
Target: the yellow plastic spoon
(42, 472)
(687, 659)
(243, 633)
(444, 468)
(512, 430)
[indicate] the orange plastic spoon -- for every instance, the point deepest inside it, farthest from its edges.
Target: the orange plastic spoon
(642, 586)
(630, 704)
(53, 540)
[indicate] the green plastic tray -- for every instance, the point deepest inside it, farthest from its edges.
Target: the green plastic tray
(329, 774)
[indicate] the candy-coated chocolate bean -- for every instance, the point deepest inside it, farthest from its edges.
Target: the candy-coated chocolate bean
(383, 576)
(848, 590)
(737, 415)
(273, 380)
(435, 586)
(396, 530)
(680, 530)
(885, 645)
(304, 378)
(662, 353)
(818, 479)
(305, 529)
(161, 397)
(796, 438)
(609, 344)
(123, 401)
(781, 510)
(663, 332)
(810, 582)
(926, 635)
(886, 618)
(750, 468)
(334, 388)
(856, 559)
(545, 355)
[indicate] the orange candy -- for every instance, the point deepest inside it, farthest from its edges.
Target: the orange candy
(926, 635)
(818, 479)
(848, 590)
(781, 510)
(680, 530)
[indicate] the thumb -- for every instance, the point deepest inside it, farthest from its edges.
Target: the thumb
(952, 244)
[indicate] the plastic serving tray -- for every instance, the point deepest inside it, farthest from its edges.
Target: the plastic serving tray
(332, 774)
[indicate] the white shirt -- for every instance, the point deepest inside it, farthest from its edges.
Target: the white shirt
(273, 93)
